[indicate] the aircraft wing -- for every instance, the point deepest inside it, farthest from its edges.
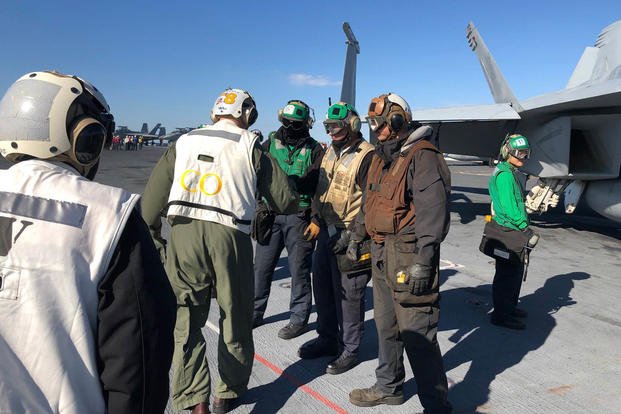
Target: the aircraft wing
(469, 130)
(589, 96)
(493, 112)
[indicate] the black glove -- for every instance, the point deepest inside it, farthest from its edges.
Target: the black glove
(421, 278)
(340, 245)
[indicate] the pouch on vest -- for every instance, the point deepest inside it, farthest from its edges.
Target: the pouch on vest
(346, 265)
(501, 242)
(261, 227)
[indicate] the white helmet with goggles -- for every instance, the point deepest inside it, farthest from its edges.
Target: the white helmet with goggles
(341, 115)
(389, 109)
(237, 103)
(51, 115)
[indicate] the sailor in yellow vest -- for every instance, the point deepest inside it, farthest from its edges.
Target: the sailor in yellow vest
(208, 179)
(339, 298)
(86, 310)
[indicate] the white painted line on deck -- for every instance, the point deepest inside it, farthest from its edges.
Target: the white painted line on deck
(447, 264)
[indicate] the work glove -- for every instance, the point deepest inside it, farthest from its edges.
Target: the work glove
(340, 245)
(311, 232)
(420, 278)
(160, 245)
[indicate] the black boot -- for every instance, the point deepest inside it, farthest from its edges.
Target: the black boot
(318, 347)
(343, 363)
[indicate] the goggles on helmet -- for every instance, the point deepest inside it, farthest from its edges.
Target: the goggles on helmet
(518, 146)
(520, 154)
(333, 126)
(376, 119)
(295, 125)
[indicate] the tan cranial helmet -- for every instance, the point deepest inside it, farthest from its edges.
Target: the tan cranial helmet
(49, 115)
(390, 109)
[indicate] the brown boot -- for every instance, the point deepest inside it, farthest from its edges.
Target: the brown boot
(369, 397)
(201, 408)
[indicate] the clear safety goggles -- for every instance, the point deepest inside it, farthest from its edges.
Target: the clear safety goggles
(376, 109)
(334, 127)
(376, 122)
(521, 154)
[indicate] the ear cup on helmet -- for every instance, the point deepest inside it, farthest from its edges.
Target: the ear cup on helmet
(396, 119)
(354, 123)
(252, 116)
(87, 136)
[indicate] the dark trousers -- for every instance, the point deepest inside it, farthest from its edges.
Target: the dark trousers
(413, 328)
(506, 287)
(339, 299)
(288, 231)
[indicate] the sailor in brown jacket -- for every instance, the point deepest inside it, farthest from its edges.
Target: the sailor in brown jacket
(406, 213)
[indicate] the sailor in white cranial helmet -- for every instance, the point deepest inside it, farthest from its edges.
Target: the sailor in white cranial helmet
(83, 298)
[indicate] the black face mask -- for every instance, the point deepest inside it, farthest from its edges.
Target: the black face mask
(388, 149)
(292, 136)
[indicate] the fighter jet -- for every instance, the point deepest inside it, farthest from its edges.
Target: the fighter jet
(123, 131)
(175, 134)
(575, 133)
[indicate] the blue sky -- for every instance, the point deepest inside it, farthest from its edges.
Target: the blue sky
(166, 62)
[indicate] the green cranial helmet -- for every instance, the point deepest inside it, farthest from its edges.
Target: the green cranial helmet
(341, 115)
(515, 145)
(296, 113)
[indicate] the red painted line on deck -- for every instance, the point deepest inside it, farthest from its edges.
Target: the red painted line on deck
(305, 388)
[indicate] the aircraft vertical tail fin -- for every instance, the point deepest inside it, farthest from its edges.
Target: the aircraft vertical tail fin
(497, 83)
(348, 88)
(162, 131)
(154, 130)
(602, 61)
(584, 69)
(144, 129)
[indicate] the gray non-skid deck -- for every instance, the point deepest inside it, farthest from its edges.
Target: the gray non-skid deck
(568, 360)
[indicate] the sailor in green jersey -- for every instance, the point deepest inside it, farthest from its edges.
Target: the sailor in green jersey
(508, 210)
(208, 181)
(297, 154)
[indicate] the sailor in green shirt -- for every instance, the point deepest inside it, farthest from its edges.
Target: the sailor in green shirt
(508, 210)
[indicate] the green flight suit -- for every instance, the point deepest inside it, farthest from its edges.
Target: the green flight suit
(202, 253)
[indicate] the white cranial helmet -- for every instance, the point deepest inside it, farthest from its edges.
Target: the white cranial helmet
(48, 114)
(237, 103)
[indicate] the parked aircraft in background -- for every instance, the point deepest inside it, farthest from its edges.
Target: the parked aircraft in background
(575, 133)
(174, 135)
(123, 131)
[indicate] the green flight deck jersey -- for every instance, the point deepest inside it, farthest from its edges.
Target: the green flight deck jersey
(507, 198)
(293, 161)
